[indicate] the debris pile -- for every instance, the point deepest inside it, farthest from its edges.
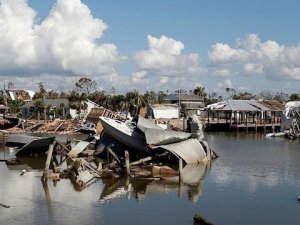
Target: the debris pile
(131, 149)
(290, 122)
(55, 126)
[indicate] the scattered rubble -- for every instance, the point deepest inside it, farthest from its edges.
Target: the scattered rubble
(198, 219)
(150, 159)
(55, 126)
(290, 122)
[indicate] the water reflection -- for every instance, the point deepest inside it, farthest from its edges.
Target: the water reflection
(254, 161)
(27, 163)
(193, 176)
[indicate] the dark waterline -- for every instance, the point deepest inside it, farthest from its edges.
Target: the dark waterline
(254, 181)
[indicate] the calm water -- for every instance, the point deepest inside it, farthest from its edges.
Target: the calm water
(254, 181)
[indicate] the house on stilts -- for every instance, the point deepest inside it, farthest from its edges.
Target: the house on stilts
(243, 115)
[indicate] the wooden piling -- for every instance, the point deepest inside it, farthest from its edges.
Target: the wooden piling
(180, 170)
(49, 156)
(246, 121)
(230, 119)
(127, 163)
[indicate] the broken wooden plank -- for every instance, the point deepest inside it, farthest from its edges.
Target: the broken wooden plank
(127, 164)
(140, 161)
(114, 155)
(63, 146)
(163, 170)
(59, 126)
(49, 157)
(54, 176)
(84, 176)
(78, 149)
(85, 163)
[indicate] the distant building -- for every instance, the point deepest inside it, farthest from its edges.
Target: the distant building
(163, 111)
(243, 114)
(193, 103)
(28, 109)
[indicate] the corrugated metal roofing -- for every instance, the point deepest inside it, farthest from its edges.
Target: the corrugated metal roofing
(239, 105)
(190, 150)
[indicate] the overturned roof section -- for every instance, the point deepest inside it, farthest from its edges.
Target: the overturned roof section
(143, 124)
(163, 137)
(155, 135)
(190, 150)
(238, 105)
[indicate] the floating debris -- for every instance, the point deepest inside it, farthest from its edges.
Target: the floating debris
(290, 122)
(200, 220)
(23, 172)
(4, 206)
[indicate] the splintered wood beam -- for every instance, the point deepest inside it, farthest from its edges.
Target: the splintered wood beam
(127, 163)
(114, 155)
(140, 161)
(49, 157)
(64, 147)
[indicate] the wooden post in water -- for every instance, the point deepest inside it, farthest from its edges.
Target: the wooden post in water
(49, 156)
(180, 169)
(246, 121)
(127, 163)
(230, 119)
(237, 121)
(180, 189)
(264, 113)
(255, 120)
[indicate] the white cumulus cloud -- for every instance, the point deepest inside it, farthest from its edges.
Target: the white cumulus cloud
(253, 68)
(222, 73)
(164, 57)
(139, 77)
(221, 86)
(223, 54)
(64, 42)
(256, 57)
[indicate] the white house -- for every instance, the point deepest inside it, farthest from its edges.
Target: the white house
(163, 111)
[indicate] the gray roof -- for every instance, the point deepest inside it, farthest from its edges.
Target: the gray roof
(194, 105)
(183, 97)
(52, 102)
(239, 105)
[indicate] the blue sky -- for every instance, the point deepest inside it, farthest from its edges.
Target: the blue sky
(166, 45)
